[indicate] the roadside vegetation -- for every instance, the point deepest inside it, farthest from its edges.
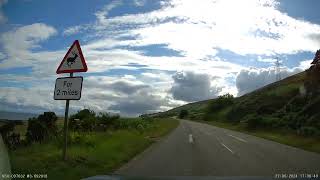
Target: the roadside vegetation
(286, 111)
(97, 143)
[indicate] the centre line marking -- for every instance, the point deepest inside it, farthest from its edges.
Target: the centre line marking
(190, 138)
(240, 139)
(227, 148)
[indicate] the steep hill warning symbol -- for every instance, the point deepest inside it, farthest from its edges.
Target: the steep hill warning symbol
(73, 61)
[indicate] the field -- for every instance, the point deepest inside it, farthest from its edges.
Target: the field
(89, 153)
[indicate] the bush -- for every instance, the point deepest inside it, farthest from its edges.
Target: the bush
(36, 131)
(10, 138)
(106, 120)
(220, 103)
(42, 128)
(309, 131)
(237, 112)
(86, 120)
(183, 113)
(252, 121)
(49, 119)
(133, 123)
(270, 122)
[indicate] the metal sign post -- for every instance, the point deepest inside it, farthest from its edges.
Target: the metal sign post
(69, 88)
(65, 128)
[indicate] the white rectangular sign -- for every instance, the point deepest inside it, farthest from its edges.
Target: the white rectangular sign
(68, 88)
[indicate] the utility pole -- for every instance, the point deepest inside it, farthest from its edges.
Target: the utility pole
(278, 70)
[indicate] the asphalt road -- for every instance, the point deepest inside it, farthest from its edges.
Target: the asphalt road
(196, 149)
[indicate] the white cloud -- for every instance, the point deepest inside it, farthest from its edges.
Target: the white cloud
(305, 64)
(74, 29)
(18, 43)
(190, 86)
(120, 94)
(103, 13)
(139, 2)
(196, 30)
(250, 79)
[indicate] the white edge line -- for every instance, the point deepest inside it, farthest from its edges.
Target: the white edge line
(240, 139)
(227, 148)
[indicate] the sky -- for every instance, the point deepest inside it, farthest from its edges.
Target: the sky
(146, 56)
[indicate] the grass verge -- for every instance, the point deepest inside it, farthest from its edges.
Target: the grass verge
(280, 136)
(99, 153)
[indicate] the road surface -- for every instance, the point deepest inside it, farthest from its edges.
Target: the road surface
(196, 149)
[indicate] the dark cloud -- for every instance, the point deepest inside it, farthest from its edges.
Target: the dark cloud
(189, 86)
(120, 86)
(249, 80)
(139, 103)
(127, 88)
(315, 38)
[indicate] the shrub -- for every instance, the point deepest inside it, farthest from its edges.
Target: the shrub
(49, 119)
(107, 120)
(9, 137)
(269, 122)
(237, 112)
(6, 129)
(183, 113)
(86, 120)
(42, 128)
(252, 121)
(220, 103)
(309, 131)
(36, 131)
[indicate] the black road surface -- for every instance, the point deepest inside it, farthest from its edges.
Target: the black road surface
(196, 149)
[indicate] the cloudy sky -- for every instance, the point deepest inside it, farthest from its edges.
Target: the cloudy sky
(145, 56)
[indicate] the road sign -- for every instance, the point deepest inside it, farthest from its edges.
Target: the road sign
(68, 88)
(73, 61)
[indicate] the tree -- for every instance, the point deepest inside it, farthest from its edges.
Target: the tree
(49, 119)
(84, 120)
(6, 131)
(220, 103)
(107, 120)
(36, 131)
(42, 128)
(183, 113)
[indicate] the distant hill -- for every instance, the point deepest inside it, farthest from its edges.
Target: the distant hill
(5, 115)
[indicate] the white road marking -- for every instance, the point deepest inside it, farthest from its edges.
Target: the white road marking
(218, 139)
(227, 148)
(190, 138)
(240, 139)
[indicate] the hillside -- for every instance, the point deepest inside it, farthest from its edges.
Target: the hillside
(281, 104)
(197, 109)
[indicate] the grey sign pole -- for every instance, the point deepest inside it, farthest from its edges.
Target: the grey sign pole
(65, 133)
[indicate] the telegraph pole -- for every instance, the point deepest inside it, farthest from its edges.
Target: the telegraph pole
(278, 70)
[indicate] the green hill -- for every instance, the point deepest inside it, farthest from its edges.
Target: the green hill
(281, 108)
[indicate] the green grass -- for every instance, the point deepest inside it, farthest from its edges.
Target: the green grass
(100, 153)
(281, 136)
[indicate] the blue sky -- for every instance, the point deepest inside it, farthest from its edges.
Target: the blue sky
(147, 56)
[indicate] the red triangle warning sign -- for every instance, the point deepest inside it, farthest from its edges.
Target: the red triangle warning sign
(73, 61)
